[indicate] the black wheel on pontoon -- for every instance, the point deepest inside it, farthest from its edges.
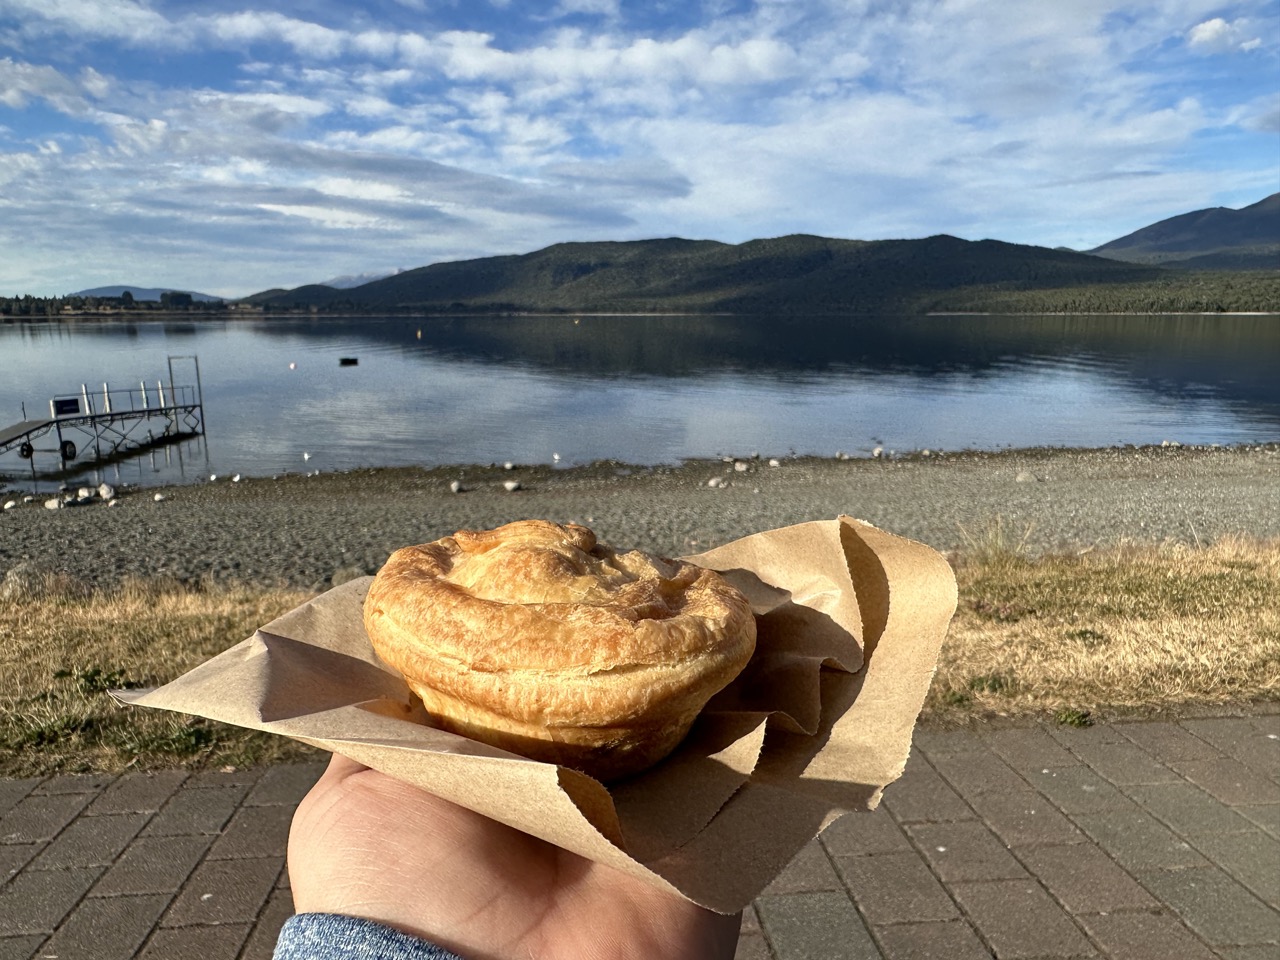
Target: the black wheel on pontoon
(26, 451)
(68, 450)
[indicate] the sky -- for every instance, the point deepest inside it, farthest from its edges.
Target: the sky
(230, 146)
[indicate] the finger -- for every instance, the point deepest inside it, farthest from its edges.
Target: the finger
(341, 767)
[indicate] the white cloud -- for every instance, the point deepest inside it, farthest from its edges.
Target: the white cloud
(325, 216)
(339, 134)
(1219, 36)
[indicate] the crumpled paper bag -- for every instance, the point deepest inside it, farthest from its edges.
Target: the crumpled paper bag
(850, 620)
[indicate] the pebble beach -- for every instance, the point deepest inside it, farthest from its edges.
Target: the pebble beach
(312, 531)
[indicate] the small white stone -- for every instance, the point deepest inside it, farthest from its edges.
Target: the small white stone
(28, 499)
(508, 465)
(740, 466)
(775, 462)
(106, 491)
(878, 452)
(112, 502)
(926, 453)
(158, 498)
(455, 487)
(213, 477)
(511, 486)
(715, 482)
(236, 478)
(54, 504)
(11, 504)
(84, 493)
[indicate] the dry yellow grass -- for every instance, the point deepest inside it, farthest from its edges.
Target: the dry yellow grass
(1131, 629)
(1136, 629)
(61, 652)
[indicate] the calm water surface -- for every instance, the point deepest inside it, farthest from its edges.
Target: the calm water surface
(655, 390)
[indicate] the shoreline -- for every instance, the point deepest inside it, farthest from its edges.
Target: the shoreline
(307, 531)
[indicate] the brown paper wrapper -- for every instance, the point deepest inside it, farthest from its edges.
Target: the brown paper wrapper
(850, 620)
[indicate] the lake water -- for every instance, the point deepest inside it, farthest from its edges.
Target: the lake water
(654, 390)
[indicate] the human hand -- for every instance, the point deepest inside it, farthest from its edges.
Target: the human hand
(366, 845)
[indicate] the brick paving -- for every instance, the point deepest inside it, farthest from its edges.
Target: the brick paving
(1125, 841)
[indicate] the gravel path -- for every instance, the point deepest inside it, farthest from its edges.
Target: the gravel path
(301, 530)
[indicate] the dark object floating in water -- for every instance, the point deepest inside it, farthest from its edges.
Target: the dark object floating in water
(348, 361)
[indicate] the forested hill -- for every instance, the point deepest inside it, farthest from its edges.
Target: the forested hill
(796, 274)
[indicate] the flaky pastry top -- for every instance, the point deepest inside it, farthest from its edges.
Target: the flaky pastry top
(539, 623)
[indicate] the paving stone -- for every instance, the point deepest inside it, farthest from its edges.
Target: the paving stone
(1078, 789)
(221, 942)
(1188, 809)
(923, 795)
(1267, 723)
(254, 832)
(1099, 733)
(815, 926)
(196, 811)
(1138, 841)
(751, 946)
(964, 850)
(15, 856)
(106, 929)
(1145, 936)
(1215, 906)
(1261, 754)
(1024, 818)
(90, 842)
(750, 920)
(262, 940)
(1168, 741)
(980, 773)
(948, 743)
(35, 901)
(945, 940)
(153, 865)
(895, 888)
(1252, 858)
(19, 948)
(1222, 732)
(1019, 920)
(138, 793)
(12, 792)
(1261, 951)
(284, 785)
(1229, 780)
(235, 779)
(224, 891)
(1084, 879)
(1125, 763)
(863, 833)
(1266, 815)
(74, 783)
(1030, 748)
(40, 817)
(809, 871)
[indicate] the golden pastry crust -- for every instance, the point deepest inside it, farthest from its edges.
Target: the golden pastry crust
(535, 638)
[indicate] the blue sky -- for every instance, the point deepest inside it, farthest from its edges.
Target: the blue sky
(230, 146)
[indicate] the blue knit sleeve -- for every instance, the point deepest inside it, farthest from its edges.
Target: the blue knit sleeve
(331, 936)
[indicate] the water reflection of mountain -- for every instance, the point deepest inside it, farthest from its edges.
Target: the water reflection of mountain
(1233, 358)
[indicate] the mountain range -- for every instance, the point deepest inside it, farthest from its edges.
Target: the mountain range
(1215, 239)
(814, 275)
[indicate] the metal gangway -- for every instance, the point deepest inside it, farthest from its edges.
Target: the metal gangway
(114, 421)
